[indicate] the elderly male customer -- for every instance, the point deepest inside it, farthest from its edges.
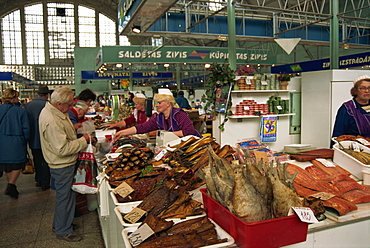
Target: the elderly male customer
(33, 110)
(60, 147)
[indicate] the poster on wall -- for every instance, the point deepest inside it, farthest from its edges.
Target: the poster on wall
(268, 129)
(222, 97)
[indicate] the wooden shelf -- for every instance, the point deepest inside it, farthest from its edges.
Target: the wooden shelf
(260, 91)
(256, 116)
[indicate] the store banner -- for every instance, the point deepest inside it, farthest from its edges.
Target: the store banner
(177, 54)
(348, 61)
(268, 129)
(87, 75)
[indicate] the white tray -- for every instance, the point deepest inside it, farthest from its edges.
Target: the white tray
(115, 201)
(347, 161)
(124, 209)
(221, 234)
(363, 211)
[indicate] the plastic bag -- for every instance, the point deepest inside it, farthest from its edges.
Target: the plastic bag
(85, 181)
(87, 127)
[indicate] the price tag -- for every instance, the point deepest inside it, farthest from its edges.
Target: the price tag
(248, 81)
(323, 195)
(123, 189)
(305, 214)
(325, 162)
(263, 82)
(160, 155)
(134, 215)
(246, 108)
(140, 235)
(279, 107)
(363, 141)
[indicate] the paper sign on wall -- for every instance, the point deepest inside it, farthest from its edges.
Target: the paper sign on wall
(268, 128)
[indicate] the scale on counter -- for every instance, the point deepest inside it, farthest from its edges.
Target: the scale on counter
(164, 137)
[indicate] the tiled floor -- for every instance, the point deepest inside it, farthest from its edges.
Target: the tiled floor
(26, 222)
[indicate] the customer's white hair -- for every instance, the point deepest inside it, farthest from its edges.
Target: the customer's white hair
(81, 105)
(61, 95)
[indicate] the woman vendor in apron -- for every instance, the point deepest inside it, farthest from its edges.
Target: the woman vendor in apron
(353, 116)
(170, 118)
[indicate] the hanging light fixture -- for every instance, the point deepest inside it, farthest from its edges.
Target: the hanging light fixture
(136, 29)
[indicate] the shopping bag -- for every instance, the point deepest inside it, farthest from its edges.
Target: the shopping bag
(84, 181)
(28, 168)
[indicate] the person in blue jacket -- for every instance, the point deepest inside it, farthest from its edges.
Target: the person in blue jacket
(14, 135)
(182, 101)
(353, 116)
(33, 110)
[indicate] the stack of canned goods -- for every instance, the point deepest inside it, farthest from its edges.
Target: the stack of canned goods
(277, 105)
(251, 107)
(245, 83)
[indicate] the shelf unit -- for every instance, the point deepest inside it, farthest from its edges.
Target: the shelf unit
(257, 116)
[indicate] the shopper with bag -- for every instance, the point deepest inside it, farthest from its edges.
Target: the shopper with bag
(14, 135)
(61, 147)
(33, 110)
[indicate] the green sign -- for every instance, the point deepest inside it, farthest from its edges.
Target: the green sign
(175, 54)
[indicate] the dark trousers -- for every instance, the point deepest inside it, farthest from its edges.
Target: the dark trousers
(42, 170)
(65, 200)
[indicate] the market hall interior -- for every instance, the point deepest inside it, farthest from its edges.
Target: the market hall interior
(27, 221)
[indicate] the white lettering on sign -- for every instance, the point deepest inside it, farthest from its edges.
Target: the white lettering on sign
(325, 64)
(139, 54)
(176, 54)
(358, 60)
(127, 5)
(115, 74)
(258, 56)
(241, 55)
(218, 55)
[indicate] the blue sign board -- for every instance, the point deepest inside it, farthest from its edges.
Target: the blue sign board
(353, 60)
(87, 75)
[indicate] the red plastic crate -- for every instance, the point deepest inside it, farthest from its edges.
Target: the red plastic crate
(268, 233)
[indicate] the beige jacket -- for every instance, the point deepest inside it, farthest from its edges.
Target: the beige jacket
(59, 142)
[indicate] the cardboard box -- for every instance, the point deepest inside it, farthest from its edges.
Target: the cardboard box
(268, 233)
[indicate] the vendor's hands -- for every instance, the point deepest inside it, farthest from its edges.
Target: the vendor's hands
(110, 125)
(117, 136)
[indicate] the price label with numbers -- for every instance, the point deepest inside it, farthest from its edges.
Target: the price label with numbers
(134, 215)
(323, 196)
(305, 214)
(140, 235)
(325, 162)
(160, 155)
(123, 189)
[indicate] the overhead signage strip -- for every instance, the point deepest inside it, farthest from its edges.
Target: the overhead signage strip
(174, 54)
(348, 61)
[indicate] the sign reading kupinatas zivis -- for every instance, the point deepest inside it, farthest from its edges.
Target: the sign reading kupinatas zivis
(174, 54)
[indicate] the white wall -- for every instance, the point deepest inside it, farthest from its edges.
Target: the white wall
(323, 92)
(241, 129)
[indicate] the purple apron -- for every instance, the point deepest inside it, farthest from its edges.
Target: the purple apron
(362, 120)
(174, 126)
